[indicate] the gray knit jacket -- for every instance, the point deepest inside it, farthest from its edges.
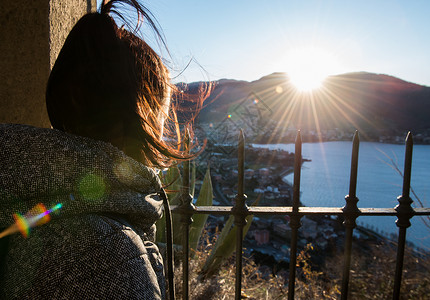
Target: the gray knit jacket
(99, 245)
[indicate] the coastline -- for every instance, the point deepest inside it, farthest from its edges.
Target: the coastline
(378, 184)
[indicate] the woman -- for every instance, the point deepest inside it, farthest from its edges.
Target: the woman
(108, 98)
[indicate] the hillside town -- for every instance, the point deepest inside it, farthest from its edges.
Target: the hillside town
(227, 132)
(268, 237)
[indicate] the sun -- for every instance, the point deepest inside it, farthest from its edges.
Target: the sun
(308, 67)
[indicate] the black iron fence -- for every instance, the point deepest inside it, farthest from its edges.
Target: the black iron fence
(350, 213)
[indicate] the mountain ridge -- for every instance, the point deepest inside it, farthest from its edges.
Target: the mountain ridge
(374, 104)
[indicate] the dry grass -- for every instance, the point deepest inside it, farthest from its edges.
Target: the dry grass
(372, 273)
(258, 282)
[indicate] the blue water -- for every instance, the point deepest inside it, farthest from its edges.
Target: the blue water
(325, 180)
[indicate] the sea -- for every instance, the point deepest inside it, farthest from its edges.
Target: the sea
(325, 181)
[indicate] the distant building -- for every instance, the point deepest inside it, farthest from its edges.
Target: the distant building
(249, 173)
(217, 177)
(285, 194)
(284, 188)
(285, 249)
(269, 196)
(263, 172)
(262, 236)
(321, 242)
(309, 228)
(282, 229)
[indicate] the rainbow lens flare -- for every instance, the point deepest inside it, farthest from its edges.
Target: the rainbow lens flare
(36, 216)
(22, 224)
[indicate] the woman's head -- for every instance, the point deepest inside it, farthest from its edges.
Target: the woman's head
(109, 84)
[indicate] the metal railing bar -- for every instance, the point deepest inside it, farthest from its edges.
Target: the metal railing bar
(295, 216)
(297, 172)
(186, 209)
(404, 213)
(288, 210)
(351, 212)
(240, 212)
(354, 165)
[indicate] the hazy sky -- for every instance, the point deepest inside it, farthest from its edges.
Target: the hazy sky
(246, 40)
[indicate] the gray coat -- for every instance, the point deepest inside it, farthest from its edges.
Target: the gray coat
(99, 245)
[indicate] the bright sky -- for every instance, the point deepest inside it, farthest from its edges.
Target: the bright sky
(246, 40)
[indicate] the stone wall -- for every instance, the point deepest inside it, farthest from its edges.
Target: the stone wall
(31, 36)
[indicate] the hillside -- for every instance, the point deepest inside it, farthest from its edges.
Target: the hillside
(375, 104)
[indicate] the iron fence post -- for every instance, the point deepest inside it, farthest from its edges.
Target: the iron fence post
(350, 213)
(239, 211)
(186, 210)
(295, 216)
(404, 213)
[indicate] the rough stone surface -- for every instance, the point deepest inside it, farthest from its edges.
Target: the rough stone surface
(31, 35)
(63, 15)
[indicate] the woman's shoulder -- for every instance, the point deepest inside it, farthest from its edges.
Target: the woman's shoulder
(95, 254)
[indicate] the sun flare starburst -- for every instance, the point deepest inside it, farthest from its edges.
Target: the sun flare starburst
(308, 67)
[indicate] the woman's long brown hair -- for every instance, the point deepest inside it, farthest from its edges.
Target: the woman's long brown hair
(109, 84)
